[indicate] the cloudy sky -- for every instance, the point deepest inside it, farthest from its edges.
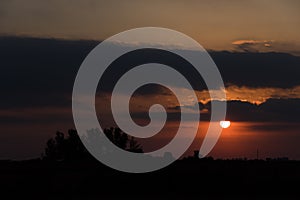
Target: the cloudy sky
(255, 44)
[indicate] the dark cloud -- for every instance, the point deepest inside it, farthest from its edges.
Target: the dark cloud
(151, 89)
(287, 110)
(282, 109)
(148, 55)
(258, 69)
(273, 110)
(177, 108)
(41, 72)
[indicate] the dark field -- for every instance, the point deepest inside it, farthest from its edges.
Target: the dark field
(184, 179)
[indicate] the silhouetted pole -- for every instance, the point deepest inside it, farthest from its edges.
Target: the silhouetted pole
(196, 154)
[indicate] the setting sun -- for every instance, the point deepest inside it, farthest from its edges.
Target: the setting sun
(224, 124)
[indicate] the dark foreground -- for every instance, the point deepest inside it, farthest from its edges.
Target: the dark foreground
(185, 179)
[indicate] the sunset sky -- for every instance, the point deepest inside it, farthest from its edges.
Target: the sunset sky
(215, 25)
(255, 44)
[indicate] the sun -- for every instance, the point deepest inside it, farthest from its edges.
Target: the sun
(224, 124)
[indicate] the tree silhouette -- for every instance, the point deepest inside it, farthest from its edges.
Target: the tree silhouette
(134, 146)
(121, 139)
(61, 148)
(69, 148)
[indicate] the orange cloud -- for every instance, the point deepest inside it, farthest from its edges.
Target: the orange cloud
(241, 42)
(249, 94)
(252, 45)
